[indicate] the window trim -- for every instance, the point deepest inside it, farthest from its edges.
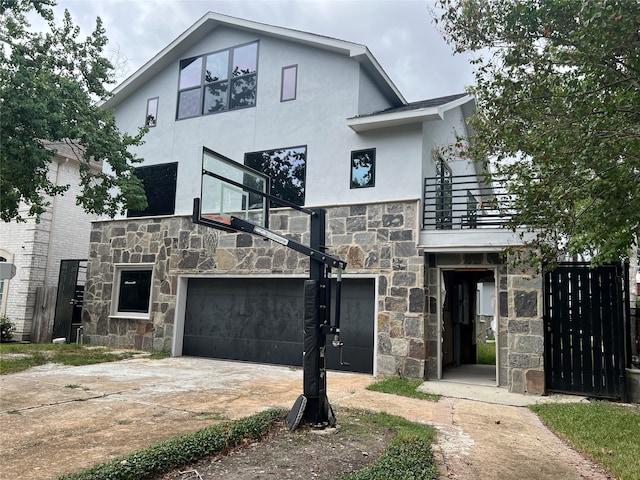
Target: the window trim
(146, 120)
(115, 295)
(355, 186)
(230, 78)
(295, 83)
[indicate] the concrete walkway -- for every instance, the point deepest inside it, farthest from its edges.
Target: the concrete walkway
(56, 419)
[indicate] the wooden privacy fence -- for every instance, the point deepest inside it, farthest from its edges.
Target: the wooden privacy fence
(584, 313)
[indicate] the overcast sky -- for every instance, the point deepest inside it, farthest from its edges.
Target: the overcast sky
(399, 33)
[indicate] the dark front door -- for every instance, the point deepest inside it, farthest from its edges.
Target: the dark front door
(260, 320)
(584, 339)
(69, 299)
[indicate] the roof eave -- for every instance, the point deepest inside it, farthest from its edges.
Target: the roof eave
(363, 124)
(210, 21)
(394, 119)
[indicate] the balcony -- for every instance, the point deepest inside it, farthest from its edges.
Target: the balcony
(464, 213)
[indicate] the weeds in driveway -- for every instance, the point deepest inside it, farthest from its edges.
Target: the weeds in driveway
(17, 357)
(606, 432)
(406, 387)
(409, 454)
(182, 450)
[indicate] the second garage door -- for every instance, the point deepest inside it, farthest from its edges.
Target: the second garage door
(260, 320)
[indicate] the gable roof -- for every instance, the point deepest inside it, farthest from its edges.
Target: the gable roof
(414, 112)
(210, 21)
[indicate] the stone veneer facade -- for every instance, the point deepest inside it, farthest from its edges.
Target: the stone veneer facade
(520, 323)
(374, 239)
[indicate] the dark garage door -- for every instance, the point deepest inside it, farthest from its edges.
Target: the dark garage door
(260, 320)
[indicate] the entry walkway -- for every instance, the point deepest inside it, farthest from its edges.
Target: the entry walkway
(56, 419)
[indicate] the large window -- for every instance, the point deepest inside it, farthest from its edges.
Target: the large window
(363, 168)
(219, 81)
(287, 169)
(132, 290)
(160, 187)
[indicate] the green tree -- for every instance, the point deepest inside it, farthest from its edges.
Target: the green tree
(558, 114)
(51, 85)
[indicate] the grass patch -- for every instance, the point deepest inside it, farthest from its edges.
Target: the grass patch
(409, 454)
(159, 354)
(486, 353)
(403, 386)
(606, 432)
(17, 357)
(182, 450)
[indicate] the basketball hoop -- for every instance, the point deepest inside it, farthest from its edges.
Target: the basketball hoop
(210, 241)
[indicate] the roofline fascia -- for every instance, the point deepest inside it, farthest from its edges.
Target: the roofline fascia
(359, 52)
(385, 120)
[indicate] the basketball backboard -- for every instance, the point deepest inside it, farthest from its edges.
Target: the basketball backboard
(229, 188)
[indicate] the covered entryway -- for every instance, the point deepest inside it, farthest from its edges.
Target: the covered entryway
(584, 311)
(469, 329)
(260, 320)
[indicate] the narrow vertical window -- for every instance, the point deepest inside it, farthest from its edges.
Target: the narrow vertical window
(152, 112)
(289, 83)
(363, 168)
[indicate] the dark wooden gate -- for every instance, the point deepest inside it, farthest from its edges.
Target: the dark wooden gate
(584, 312)
(69, 299)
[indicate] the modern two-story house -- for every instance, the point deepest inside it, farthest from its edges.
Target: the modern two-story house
(425, 283)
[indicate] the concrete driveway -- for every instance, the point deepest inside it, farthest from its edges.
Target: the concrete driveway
(56, 419)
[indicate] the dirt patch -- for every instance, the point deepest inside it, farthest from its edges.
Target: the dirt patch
(303, 454)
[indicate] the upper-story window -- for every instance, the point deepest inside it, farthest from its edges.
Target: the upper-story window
(152, 112)
(289, 83)
(159, 183)
(218, 82)
(287, 169)
(363, 168)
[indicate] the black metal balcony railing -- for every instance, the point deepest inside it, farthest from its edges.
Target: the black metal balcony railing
(464, 201)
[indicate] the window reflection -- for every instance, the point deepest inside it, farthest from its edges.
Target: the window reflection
(190, 72)
(287, 169)
(215, 97)
(217, 67)
(363, 163)
(227, 81)
(245, 59)
(152, 112)
(189, 103)
(243, 92)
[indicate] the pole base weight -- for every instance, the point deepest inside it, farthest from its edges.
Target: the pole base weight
(304, 410)
(296, 413)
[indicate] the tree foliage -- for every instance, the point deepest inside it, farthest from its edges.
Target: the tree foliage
(558, 114)
(51, 84)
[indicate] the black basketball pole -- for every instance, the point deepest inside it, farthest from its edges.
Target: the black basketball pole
(313, 405)
(318, 411)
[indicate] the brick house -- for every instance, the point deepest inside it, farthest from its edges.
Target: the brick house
(36, 249)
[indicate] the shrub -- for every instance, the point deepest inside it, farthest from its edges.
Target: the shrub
(7, 327)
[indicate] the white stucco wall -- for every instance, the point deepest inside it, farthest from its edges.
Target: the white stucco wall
(331, 88)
